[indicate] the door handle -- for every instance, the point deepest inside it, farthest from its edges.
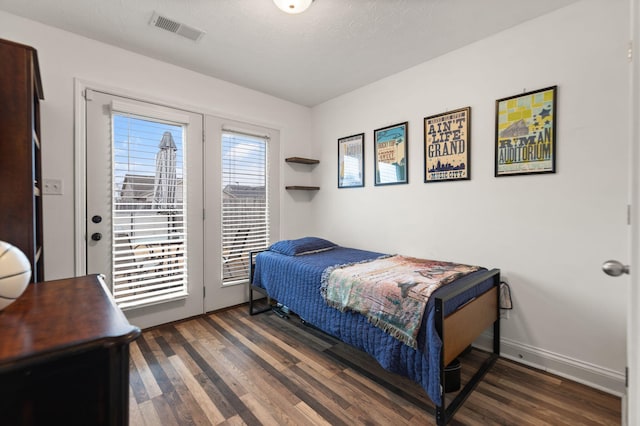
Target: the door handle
(614, 268)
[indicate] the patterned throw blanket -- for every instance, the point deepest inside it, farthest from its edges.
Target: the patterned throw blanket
(392, 292)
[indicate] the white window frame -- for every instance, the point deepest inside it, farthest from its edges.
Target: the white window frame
(157, 279)
(239, 235)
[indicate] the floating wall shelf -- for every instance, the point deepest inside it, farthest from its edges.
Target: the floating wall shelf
(303, 188)
(301, 160)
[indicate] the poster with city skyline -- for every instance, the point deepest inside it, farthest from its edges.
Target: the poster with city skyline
(526, 133)
(447, 141)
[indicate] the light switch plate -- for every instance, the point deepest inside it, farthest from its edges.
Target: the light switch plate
(52, 187)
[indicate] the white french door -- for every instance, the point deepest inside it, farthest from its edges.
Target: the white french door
(144, 206)
(242, 204)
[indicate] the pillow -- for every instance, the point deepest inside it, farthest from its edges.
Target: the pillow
(306, 245)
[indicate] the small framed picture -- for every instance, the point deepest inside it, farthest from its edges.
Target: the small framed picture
(390, 159)
(351, 161)
(526, 133)
(447, 140)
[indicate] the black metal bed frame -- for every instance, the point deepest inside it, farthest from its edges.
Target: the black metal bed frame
(253, 288)
(444, 413)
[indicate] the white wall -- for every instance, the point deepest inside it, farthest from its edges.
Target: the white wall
(64, 56)
(549, 234)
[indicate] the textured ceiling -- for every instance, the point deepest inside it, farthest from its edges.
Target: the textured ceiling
(334, 47)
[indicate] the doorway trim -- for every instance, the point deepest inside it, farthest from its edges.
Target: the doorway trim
(630, 409)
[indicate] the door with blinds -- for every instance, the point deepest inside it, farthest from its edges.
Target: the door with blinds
(144, 206)
(242, 205)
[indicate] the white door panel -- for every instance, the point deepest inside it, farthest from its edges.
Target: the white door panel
(144, 206)
(237, 192)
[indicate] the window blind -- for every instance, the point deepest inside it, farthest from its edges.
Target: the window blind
(245, 207)
(149, 256)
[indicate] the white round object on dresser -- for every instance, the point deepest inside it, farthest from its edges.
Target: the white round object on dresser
(15, 273)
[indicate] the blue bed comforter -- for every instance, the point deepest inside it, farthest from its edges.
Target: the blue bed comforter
(295, 282)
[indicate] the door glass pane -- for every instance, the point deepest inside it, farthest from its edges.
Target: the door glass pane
(149, 238)
(245, 225)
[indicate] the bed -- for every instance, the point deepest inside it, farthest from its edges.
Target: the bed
(296, 273)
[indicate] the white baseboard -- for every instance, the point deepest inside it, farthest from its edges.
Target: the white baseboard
(588, 374)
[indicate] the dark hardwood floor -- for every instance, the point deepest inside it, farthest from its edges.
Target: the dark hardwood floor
(230, 368)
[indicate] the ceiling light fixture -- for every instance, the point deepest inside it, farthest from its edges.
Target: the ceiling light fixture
(293, 6)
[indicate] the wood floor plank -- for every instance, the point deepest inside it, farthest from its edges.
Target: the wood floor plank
(135, 416)
(558, 394)
(354, 398)
(589, 396)
(266, 390)
(138, 389)
(193, 331)
(229, 368)
(262, 358)
(199, 394)
(363, 365)
(210, 391)
(302, 353)
(278, 364)
(254, 334)
(496, 397)
(231, 397)
(176, 393)
(382, 396)
(164, 346)
(155, 367)
(148, 414)
(486, 405)
(164, 412)
(327, 391)
(262, 411)
(144, 372)
(300, 337)
(319, 397)
(311, 415)
(367, 409)
(233, 421)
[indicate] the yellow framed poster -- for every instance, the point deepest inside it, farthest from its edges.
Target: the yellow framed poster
(526, 133)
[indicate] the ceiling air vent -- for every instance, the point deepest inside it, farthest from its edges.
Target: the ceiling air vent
(176, 27)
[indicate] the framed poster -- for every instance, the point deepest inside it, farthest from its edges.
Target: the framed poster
(526, 133)
(447, 141)
(390, 156)
(351, 161)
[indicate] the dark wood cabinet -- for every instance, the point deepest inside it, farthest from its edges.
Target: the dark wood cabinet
(20, 158)
(64, 356)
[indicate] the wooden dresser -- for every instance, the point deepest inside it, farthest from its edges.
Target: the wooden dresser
(64, 356)
(20, 157)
